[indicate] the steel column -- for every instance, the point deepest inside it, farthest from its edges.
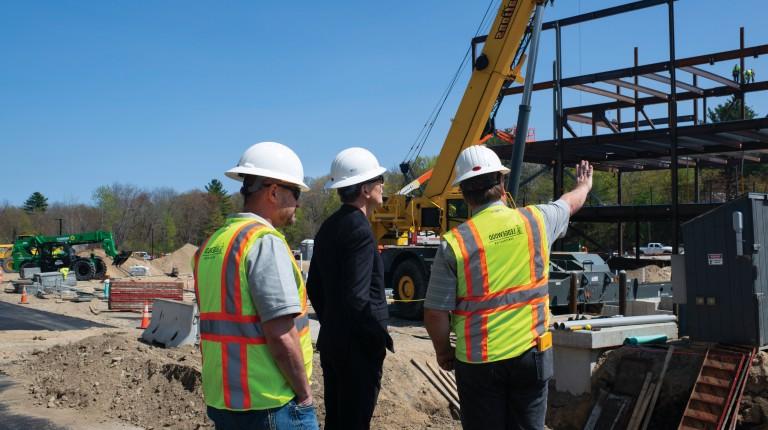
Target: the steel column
(673, 131)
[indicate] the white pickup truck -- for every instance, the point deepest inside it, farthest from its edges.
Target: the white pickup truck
(655, 248)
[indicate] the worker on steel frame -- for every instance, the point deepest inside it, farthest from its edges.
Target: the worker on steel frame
(346, 287)
(254, 329)
(489, 285)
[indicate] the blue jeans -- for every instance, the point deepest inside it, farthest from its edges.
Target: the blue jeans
(287, 417)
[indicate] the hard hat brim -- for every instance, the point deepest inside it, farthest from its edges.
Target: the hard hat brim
(472, 173)
(238, 172)
(357, 179)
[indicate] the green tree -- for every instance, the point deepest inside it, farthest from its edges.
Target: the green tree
(730, 111)
(37, 202)
(170, 232)
(216, 190)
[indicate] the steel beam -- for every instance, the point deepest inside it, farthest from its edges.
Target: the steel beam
(663, 79)
(663, 66)
(711, 76)
(647, 101)
(602, 92)
(640, 88)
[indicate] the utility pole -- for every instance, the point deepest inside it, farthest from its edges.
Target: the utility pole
(61, 224)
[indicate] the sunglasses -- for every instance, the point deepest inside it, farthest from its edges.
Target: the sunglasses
(295, 191)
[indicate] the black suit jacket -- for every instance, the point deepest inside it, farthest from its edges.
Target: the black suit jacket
(346, 285)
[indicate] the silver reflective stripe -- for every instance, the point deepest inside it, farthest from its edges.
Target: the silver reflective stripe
(538, 259)
(475, 341)
(242, 329)
(231, 328)
(541, 312)
(236, 395)
(301, 322)
(232, 269)
(473, 252)
(503, 300)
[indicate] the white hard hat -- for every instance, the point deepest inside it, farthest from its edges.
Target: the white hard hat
(353, 166)
(475, 161)
(270, 160)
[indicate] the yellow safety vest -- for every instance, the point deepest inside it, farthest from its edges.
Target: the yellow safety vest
(502, 300)
(239, 373)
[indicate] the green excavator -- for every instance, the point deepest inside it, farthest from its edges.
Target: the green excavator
(53, 253)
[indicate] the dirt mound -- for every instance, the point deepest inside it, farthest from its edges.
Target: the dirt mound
(753, 412)
(124, 379)
(651, 273)
(116, 376)
(181, 259)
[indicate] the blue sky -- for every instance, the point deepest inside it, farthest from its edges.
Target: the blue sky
(170, 93)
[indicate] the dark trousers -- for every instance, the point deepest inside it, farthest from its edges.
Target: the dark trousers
(506, 394)
(352, 383)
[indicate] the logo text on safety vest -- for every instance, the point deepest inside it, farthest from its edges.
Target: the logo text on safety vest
(506, 18)
(212, 251)
(506, 234)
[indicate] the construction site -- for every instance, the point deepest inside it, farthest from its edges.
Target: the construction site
(649, 331)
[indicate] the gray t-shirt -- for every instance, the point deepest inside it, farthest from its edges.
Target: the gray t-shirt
(441, 292)
(271, 278)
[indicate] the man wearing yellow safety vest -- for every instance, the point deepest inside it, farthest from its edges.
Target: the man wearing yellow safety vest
(489, 286)
(254, 330)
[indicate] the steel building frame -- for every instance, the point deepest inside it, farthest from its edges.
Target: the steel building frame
(628, 148)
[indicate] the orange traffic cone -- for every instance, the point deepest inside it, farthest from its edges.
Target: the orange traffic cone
(145, 317)
(24, 298)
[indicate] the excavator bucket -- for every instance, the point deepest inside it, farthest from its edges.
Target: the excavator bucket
(121, 258)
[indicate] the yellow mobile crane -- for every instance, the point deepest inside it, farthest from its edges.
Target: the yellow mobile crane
(441, 207)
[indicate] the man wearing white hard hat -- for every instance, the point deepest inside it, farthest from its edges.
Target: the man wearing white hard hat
(254, 329)
(489, 285)
(346, 287)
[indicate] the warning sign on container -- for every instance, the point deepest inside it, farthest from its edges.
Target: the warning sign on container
(715, 259)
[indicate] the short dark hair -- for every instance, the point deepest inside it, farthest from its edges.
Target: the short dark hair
(351, 193)
(482, 189)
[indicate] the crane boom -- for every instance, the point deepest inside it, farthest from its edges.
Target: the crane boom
(403, 225)
(491, 69)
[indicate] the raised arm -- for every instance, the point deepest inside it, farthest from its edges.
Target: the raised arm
(578, 195)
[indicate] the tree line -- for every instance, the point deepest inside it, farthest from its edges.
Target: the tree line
(162, 220)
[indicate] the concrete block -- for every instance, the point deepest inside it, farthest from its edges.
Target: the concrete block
(576, 352)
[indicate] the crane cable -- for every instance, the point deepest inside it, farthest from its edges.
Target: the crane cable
(421, 138)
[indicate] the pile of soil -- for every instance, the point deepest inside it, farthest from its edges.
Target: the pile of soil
(181, 259)
(753, 412)
(116, 376)
(653, 273)
(120, 378)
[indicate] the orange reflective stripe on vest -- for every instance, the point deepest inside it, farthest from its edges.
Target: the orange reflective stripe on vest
(230, 297)
(475, 266)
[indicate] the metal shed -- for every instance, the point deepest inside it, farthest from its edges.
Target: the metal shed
(725, 271)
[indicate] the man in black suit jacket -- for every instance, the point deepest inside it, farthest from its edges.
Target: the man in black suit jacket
(346, 288)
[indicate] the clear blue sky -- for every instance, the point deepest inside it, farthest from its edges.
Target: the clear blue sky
(169, 94)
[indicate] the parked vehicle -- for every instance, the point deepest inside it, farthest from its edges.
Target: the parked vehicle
(655, 248)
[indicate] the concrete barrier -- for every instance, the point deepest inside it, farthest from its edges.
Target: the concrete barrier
(173, 324)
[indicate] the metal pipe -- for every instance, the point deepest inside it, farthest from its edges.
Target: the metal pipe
(623, 292)
(673, 132)
(513, 183)
(619, 321)
(572, 297)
